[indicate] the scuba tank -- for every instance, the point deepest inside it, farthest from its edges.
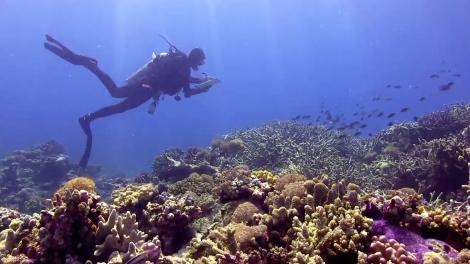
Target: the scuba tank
(143, 71)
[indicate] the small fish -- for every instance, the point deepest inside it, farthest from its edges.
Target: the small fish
(61, 158)
(389, 86)
(404, 109)
(306, 116)
(422, 98)
(358, 133)
(415, 118)
(296, 118)
(318, 119)
(370, 134)
(446, 87)
(376, 98)
(390, 115)
(363, 126)
(457, 75)
(355, 113)
(434, 76)
(397, 86)
(380, 114)
(390, 124)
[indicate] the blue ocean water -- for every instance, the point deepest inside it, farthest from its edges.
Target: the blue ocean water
(276, 60)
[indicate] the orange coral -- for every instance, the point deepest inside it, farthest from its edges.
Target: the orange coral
(78, 183)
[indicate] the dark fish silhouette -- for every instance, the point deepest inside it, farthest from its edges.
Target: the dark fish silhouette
(446, 87)
(363, 126)
(457, 75)
(433, 76)
(415, 118)
(397, 86)
(389, 86)
(376, 98)
(296, 118)
(404, 109)
(380, 114)
(306, 116)
(390, 124)
(370, 134)
(358, 133)
(390, 115)
(318, 118)
(422, 98)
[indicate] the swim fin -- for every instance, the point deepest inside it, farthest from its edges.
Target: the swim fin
(60, 50)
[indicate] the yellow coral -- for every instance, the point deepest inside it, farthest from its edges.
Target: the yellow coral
(133, 195)
(78, 183)
(265, 176)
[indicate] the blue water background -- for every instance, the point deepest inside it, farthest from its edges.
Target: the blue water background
(276, 59)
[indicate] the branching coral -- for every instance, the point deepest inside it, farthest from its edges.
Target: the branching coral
(118, 233)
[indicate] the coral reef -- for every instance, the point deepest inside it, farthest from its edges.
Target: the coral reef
(282, 193)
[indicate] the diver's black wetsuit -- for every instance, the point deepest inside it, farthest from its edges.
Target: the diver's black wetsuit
(170, 79)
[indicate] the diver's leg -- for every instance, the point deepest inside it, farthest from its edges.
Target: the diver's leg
(127, 104)
(139, 97)
(60, 50)
(86, 154)
(113, 89)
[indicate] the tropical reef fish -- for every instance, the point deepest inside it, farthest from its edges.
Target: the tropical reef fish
(380, 114)
(422, 98)
(434, 76)
(404, 109)
(390, 115)
(397, 86)
(296, 118)
(446, 87)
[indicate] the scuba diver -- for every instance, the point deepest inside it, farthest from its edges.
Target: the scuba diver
(165, 74)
